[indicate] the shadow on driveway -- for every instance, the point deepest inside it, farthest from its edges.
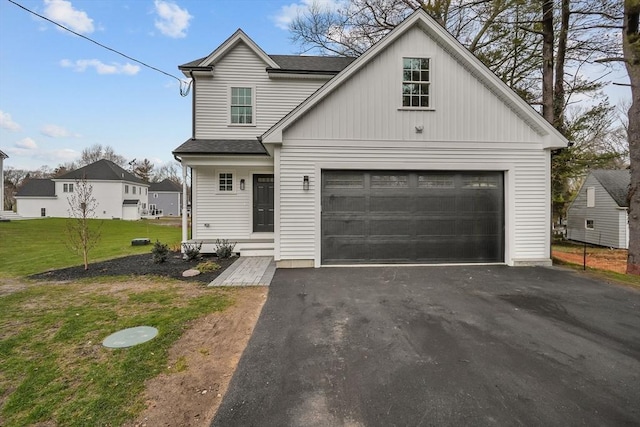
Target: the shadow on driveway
(439, 346)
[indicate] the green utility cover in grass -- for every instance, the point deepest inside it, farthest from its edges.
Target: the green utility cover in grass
(130, 337)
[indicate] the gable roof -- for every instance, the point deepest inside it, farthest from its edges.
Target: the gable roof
(165, 185)
(551, 137)
(103, 170)
(330, 65)
(38, 188)
(616, 183)
(222, 146)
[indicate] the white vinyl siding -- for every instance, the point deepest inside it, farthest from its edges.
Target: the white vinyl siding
(365, 107)
(273, 98)
(609, 220)
(526, 198)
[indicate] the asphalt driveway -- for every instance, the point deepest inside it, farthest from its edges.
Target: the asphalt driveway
(412, 346)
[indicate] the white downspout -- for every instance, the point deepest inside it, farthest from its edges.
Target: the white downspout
(184, 205)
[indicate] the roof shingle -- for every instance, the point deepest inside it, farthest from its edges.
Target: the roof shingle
(616, 183)
(222, 146)
(103, 170)
(38, 188)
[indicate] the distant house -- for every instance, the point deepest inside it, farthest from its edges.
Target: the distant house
(598, 214)
(119, 194)
(165, 198)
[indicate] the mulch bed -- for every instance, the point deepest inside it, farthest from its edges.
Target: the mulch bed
(138, 265)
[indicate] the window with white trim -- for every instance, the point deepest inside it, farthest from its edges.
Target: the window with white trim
(67, 188)
(126, 189)
(589, 224)
(241, 106)
(591, 197)
(133, 189)
(225, 181)
(415, 82)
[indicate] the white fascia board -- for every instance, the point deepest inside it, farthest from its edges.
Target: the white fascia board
(228, 44)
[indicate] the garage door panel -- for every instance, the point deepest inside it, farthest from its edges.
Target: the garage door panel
(412, 217)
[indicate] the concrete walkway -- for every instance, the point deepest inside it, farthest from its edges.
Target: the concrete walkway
(247, 271)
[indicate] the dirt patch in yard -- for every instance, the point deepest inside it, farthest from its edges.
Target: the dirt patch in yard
(599, 258)
(201, 364)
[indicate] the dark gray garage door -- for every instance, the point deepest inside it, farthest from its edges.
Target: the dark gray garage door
(412, 217)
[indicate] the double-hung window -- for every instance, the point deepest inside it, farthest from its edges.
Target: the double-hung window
(415, 82)
(241, 106)
(225, 181)
(67, 188)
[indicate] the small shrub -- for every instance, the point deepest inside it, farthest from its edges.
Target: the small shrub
(207, 266)
(224, 249)
(191, 251)
(159, 252)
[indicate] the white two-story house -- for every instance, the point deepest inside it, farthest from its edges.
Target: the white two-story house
(118, 193)
(412, 153)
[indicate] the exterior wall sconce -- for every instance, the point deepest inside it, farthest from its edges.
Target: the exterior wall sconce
(305, 183)
(242, 184)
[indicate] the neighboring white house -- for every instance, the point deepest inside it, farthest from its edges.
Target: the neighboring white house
(165, 198)
(119, 194)
(599, 213)
(412, 153)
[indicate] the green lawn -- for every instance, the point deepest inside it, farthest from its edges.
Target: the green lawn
(33, 246)
(53, 368)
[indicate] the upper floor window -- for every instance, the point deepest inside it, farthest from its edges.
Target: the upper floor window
(134, 189)
(415, 82)
(67, 188)
(126, 189)
(242, 105)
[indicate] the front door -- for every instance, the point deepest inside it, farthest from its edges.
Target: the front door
(263, 203)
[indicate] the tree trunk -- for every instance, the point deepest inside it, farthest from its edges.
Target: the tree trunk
(631, 50)
(558, 90)
(547, 60)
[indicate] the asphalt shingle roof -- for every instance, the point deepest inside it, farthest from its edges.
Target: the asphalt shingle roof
(616, 183)
(103, 170)
(38, 188)
(165, 185)
(222, 146)
(297, 63)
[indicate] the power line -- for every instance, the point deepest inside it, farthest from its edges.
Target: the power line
(184, 85)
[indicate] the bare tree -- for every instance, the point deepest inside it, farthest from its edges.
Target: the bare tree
(171, 171)
(14, 179)
(83, 232)
(98, 152)
(631, 52)
(143, 170)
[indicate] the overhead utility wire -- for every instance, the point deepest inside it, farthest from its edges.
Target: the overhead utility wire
(184, 85)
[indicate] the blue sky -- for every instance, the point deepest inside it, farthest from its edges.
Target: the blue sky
(60, 93)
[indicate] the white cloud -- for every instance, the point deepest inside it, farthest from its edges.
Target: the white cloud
(289, 12)
(81, 65)
(6, 122)
(55, 131)
(27, 144)
(62, 12)
(172, 21)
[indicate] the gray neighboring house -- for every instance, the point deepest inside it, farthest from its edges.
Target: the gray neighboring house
(165, 198)
(598, 214)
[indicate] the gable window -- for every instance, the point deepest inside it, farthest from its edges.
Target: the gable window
(415, 82)
(242, 105)
(126, 189)
(225, 180)
(589, 224)
(591, 197)
(67, 188)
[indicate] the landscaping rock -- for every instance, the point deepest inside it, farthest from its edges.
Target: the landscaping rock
(190, 273)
